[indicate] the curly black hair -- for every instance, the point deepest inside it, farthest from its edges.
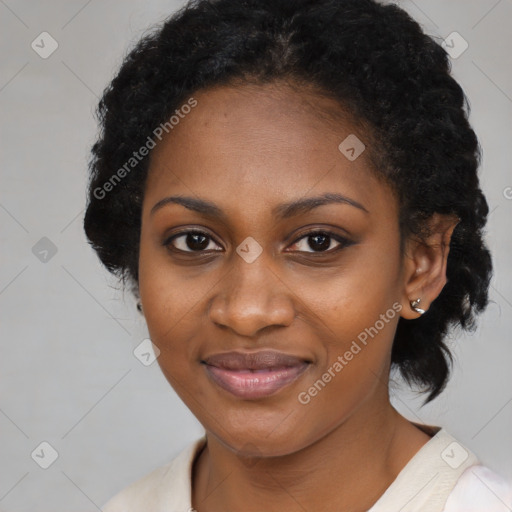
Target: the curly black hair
(377, 63)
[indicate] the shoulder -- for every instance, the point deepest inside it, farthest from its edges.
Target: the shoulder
(164, 486)
(480, 489)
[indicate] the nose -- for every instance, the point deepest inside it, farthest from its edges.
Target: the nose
(252, 297)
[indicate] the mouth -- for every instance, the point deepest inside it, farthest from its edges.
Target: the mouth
(255, 374)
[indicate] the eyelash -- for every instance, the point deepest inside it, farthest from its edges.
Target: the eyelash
(344, 242)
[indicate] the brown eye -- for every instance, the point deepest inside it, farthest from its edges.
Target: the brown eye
(190, 241)
(321, 241)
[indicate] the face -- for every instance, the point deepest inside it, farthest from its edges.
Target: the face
(271, 309)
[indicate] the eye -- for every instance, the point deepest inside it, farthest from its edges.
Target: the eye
(190, 241)
(198, 241)
(321, 241)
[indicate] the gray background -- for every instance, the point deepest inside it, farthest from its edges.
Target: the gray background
(69, 376)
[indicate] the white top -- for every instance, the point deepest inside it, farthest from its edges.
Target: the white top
(443, 476)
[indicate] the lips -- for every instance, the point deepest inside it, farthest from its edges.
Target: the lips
(252, 375)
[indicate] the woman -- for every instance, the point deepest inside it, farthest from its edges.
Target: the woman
(290, 188)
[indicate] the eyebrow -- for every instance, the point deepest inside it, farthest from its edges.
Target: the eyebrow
(282, 211)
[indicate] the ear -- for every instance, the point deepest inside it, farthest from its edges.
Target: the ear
(424, 264)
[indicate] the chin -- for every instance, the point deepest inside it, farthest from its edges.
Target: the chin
(260, 435)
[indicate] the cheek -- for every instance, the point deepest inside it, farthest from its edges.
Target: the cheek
(169, 294)
(173, 299)
(355, 314)
(164, 299)
(354, 372)
(353, 297)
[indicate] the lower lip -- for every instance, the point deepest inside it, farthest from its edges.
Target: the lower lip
(251, 385)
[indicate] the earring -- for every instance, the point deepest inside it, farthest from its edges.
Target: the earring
(414, 304)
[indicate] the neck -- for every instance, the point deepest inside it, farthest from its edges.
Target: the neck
(348, 469)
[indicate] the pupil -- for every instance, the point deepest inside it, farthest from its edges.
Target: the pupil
(194, 244)
(323, 244)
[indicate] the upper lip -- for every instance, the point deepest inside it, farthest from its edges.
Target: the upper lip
(262, 360)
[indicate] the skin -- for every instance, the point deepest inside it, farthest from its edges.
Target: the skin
(249, 149)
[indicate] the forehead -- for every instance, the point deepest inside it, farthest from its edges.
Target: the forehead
(262, 145)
